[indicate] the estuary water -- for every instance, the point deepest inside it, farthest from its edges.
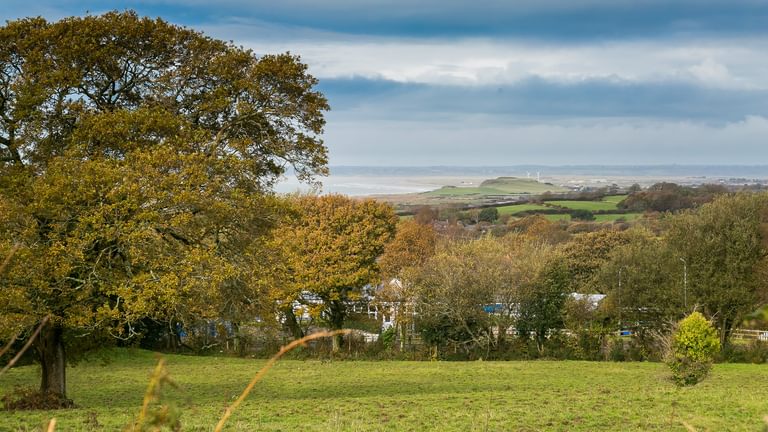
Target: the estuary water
(366, 181)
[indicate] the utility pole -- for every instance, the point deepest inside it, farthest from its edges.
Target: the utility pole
(620, 326)
(685, 283)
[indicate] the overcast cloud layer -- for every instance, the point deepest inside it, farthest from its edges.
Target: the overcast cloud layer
(494, 82)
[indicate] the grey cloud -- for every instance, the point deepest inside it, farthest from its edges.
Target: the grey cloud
(537, 98)
(563, 20)
(496, 143)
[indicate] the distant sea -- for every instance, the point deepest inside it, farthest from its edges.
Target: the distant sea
(366, 180)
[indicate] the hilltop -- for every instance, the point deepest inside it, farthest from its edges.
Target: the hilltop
(488, 191)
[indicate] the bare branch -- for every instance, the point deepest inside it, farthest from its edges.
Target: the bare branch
(7, 259)
(8, 346)
(26, 346)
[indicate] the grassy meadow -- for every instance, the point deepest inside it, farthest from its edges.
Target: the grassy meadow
(557, 217)
(406, 396)
(519, 208)
(584, 205)
(615, 199)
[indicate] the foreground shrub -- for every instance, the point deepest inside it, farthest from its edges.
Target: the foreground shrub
(693, 348)
(388, 338)
(24, 398)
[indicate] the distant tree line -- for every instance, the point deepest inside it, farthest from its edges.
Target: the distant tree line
(662, 197)
(470, 292)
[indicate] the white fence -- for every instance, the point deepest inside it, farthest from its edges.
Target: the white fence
(761, 335)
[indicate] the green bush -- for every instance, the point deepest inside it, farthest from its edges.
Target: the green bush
(582, 214)
(489, 214)
(754, 352)
(693, 348)
(615, 350)
(25, 398)
(388, 338)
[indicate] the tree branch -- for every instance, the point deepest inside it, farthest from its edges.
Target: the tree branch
(170, 232)
(26, 346)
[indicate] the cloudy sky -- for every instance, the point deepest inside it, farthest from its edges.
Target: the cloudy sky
(505, 82)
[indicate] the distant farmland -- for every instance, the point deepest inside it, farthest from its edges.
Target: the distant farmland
(558, 217)
(614, 198)
(584, 205)
(519, 208)
(607, 204)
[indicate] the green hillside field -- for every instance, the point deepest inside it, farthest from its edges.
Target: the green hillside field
(584, 205)
(615, 199)
(406, 396)
(519, 208)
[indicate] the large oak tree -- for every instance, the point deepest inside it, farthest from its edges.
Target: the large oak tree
(137, 160)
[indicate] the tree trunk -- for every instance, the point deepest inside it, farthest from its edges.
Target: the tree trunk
(174, 340)
(50, 347)
(293, 324)
(403, 335)
(237, 345)
(336, 316)
(726, 326)
(541, 337)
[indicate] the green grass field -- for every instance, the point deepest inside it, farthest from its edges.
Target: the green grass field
(461, 191)
(615, 199)
(408, 396)
(519, 208)
(584, 205)
(557, 217)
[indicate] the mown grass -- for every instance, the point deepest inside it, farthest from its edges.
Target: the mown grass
(408, 396)
(584, 205)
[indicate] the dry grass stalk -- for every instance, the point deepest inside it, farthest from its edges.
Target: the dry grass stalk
(263, 371)
(154, 383)
(7, 259)
(688, 427)
(26, 346)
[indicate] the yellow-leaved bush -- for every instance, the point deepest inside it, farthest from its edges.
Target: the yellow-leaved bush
(694, 345)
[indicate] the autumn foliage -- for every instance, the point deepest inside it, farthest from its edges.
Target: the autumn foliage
(329, 249)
